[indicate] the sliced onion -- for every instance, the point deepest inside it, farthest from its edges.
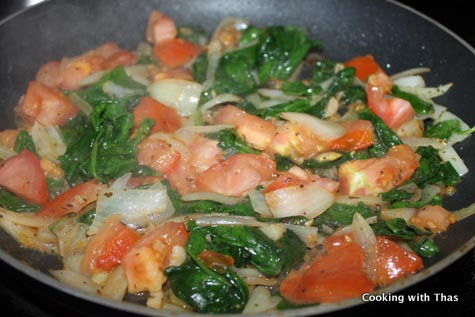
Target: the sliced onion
(273, 231)
(415, 142)
(410, 72)
(179, 94)
(222, 199)
(465, 212)
(73, 262)
(214, 54)
(121, 182)
(253, 277)
(254, 99)
(410, 81)
(438, 111)
(366, 238)
(428, 92)
(448, 154)
(113, 90)
(139, 73)
(6, 153)
(131, 204)
(82, 104)
(331, 108)
(71, 236)
(455, 137)
(48, 141)
(404, 213)
(275, 94)
(325, 129)
(213, 219)
(354, 200)
(204, 129)
(308, 234)
(309, 201)
(76, 280)
(269, 103)
(259, 203)
(25, 219)
(219, 99)
(92, 79)
(236, 23)
(116, 284)
(260, 301)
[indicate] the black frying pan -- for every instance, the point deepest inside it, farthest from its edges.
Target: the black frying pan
(398, 38)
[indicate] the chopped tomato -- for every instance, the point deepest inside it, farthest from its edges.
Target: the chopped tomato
(72, 200)
(145, 262)
(182, 177)
(393, 111)
(435, 218)
(236, 175)
(23, 176)
(176, 52)
(358, 136)
(257, 131)
(47, 105)
(394, 262)
(49, 74)
(158, 155)
(338, 275)
(8, 138)
(122, 57)
(107, 248)
(364, 65)
(297, 176)
(75, 69)
(382, 80)
(166, 118)
(374, 176)
(204, 153)
(160, 28)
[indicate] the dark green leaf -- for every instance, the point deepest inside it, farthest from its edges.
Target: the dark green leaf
(420, 106)
(13, 203)
(88, 217)
(353, 94)
(432, 171)
(24, 142)
(283, 163)
(143, 170)
(396, 195)
(323, 70)
(299, 105)
(55, 186)
(231, 143)
(425, 247)
(293, 250)
(397, 227)
(200, 67)
(340, 215)
(297, 88)
(445, 129)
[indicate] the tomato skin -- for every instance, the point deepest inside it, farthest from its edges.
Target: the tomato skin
(72, 200)
(373, 176)
(160, 28)
(8, 138)
(158, 155)
(166, 118)
(394, 262)
(296, 177)
(338, 275)
(364, 65)
(358, 136)
(393, 111)
(435, 218)
(49, 74)
(22, 175)
(236, 175)
(47, 105)
(107, 248)
(176, 52)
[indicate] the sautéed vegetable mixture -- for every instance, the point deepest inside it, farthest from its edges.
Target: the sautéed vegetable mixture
(243, 172)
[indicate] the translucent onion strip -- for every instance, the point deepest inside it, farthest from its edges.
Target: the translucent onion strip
(220, 99)
(326, 129)
(448, 154)
(113, 90)
(25, 219)
(415, 142)
(260, 301)
(410, 72)
(410, 81)
(139, 73)
(92, 79)
(179, 94)
(48, 141)
(82, 104)
(76, 280)
(354, 200)
(465, 212)
(204, 129)
(428, 92)
(259, 203)
(6, 153)
(222, 199)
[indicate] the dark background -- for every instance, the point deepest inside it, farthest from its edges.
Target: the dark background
(22, 296)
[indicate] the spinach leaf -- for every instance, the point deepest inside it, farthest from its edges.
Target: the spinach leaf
(55, 186)
(231, 143)
(323, 70)
(445, 129)
(200, 67)
(299, 105)
(207, 291)
(420, 106)
(281, 49)
(292, 220)
(74, 129)
(432, 171)
(293, 250)
(395, 195)
(345, 156)
(340, 215)
(245, 244)
(353, 94)
(13, 203)
(424, 201)
(340, 82)
(386, 137)
(425, 247)
(297, 88)
(24, 142)
(144, 170)
(397, 227)
(88, 217)
(283, 163)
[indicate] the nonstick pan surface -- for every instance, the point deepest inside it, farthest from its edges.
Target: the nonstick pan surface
(397, 37)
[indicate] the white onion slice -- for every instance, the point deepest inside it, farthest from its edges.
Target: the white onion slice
(222, 199)
(273, 231)
(448, 154)
(415, 142)
(76, 280)
(204, 129)
(410, 81)
(438, 111)
(260, 301)
(269, 103)
(121, 182)
(325, 129)
(366, 238)
(309, 235)
(404, 213)
(6, 153)
(113, 90)
(410, 72)
(275, 94)
(211, 219)
(219, 99)
(92, 79)
(179, 94)
(354, 200)
(82, 104)
(139, 73)
(455, 137)
(309, 201)
(48, 141)
(428, 92)
(259, 203)
(253, 277)
(465, 212)
(25, 219)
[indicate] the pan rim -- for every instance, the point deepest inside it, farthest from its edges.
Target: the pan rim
(306, 311)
